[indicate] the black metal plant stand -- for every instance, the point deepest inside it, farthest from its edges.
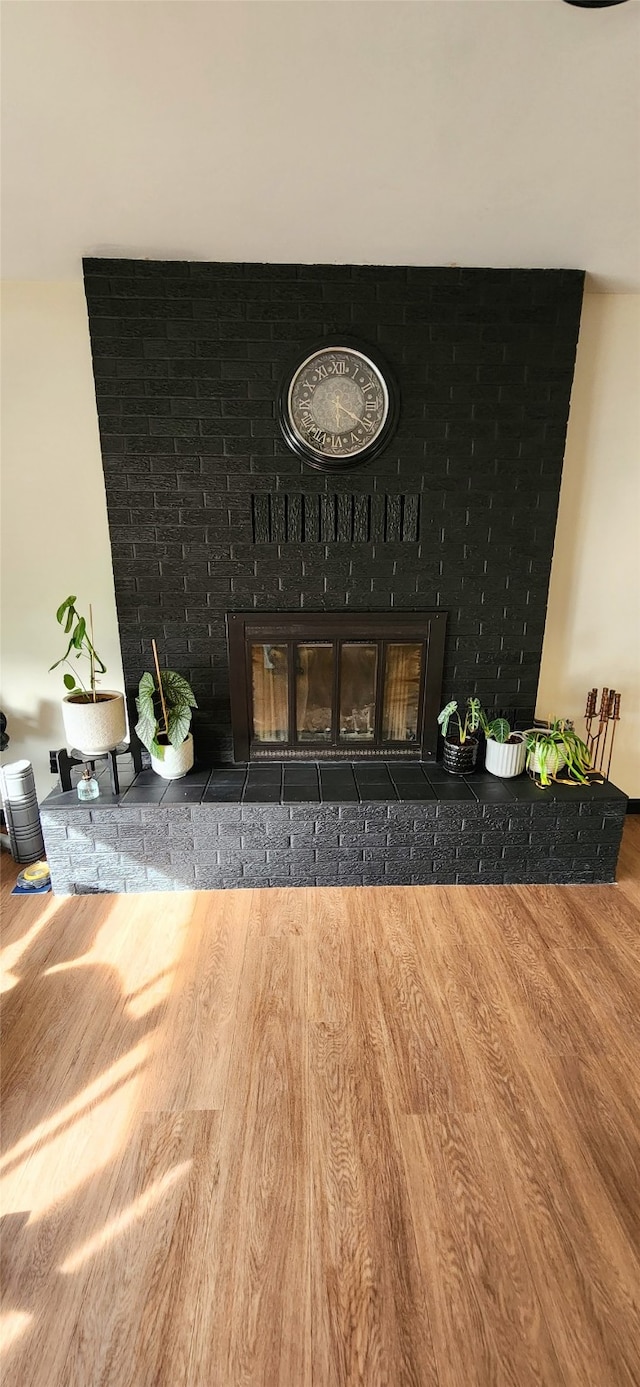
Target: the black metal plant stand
(62, 762)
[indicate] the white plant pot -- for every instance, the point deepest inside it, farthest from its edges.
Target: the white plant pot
(506, 758)
(176, 762)
(554, 761)
(93, 728)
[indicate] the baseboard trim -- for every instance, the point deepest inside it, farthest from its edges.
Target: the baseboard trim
(633, 806)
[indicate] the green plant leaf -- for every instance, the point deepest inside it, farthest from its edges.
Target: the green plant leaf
(176, 689)
(79, 633)
(146, 729)
(444, 717)
(500, 730)
(146, 687)
(473, 714)
(68, 602)
(147, 725)
(69, 682)
(179, 724)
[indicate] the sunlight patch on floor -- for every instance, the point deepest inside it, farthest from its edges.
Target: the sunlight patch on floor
(12, 953)
(113, 1078)
(130, 955)
(135, 1211)
(145, 958)
(12, 1324)
(150, 993)
(57, 1164)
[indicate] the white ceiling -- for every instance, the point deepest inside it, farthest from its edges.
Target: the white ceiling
(474, 132)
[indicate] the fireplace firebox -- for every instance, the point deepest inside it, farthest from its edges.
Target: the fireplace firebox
(336, 686)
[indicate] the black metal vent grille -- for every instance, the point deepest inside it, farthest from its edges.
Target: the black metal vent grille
(282, 519)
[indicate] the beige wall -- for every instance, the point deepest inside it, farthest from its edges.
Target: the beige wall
(593, 619)
(55, 537)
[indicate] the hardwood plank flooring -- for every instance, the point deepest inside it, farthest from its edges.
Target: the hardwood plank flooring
(320, 1138)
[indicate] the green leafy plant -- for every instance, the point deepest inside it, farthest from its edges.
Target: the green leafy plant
(555, 744)
(164, 707)
(80, 646)
(498, 729)
(468, 722)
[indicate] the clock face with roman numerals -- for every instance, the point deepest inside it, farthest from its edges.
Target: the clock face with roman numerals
(337, 408)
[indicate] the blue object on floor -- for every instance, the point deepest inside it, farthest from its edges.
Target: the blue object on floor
(35, 880)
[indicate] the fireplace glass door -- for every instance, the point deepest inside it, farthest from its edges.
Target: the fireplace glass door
(270, 693)
(314, 665)
(358, 692)
(312, 691)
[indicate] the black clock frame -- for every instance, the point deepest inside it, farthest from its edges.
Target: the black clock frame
(340, 342)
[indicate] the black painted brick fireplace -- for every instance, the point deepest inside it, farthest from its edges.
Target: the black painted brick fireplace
(210, 512)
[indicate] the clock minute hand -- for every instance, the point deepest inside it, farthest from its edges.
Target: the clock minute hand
(348, 411)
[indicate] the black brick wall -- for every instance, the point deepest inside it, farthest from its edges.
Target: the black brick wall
(208, 508)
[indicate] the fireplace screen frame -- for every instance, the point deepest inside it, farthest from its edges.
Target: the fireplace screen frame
(246, 629)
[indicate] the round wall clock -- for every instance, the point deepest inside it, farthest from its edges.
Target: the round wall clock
(338, 407)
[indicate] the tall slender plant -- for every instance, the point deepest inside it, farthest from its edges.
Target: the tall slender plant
(80, 646)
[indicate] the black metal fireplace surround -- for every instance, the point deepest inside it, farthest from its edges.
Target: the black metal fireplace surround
(335, 685)
(211, 514)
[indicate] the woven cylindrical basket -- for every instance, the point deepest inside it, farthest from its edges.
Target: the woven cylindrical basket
(20, 804)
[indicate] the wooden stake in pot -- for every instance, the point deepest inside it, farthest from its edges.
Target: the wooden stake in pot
(160, 689)
(92, 658)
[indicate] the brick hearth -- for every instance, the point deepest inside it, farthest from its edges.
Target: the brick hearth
(319, 826)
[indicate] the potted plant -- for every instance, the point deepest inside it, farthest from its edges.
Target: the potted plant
(505, 751)
(461, 745)
(552, 748)
(164, 707)
(94, 720)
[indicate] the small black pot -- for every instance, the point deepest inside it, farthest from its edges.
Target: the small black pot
(459, 758)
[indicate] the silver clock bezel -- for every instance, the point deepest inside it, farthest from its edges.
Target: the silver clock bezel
(367, 444)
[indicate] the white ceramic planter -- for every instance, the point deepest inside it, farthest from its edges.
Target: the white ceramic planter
(176, 762)
(506, 758)
(94, 727)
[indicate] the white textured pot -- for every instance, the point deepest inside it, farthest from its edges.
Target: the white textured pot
(177, 760)
(94, 727)
(506, 758)
(553, 762)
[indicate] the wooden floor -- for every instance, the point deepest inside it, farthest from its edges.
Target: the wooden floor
(375, 1136)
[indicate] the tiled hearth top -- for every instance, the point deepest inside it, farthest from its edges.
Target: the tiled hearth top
(325, 783)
